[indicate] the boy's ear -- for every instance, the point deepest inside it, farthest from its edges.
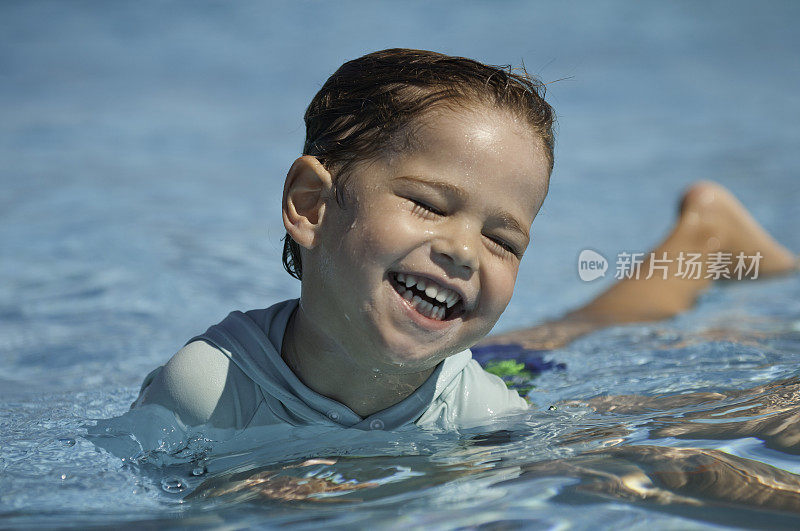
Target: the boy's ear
(305, 193)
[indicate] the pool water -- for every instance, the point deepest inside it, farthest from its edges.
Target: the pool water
(143, 151)
(593, 450)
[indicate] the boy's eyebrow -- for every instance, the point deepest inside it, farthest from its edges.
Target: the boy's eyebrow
(508, 221)
(447, 187)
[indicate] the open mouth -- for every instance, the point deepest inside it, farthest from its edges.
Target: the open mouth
(427, 297)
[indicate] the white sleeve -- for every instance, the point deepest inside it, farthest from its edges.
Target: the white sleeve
(201, 385)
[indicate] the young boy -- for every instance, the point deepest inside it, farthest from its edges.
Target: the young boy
(406, 220)
(407, 217)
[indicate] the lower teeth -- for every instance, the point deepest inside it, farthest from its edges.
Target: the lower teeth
(433, 312)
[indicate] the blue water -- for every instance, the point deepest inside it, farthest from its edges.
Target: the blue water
(142, 151)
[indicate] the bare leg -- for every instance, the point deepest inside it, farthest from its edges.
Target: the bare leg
(710, 220)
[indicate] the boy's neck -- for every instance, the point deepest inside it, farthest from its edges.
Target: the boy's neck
(324, 368)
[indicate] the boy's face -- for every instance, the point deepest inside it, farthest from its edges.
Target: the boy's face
(454, 212)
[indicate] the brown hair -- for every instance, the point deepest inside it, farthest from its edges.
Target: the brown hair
(367, 101)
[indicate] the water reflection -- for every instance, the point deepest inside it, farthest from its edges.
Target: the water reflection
(687, 477)
(288, 483)
(769, 412)
(327, 480)
(684, 476)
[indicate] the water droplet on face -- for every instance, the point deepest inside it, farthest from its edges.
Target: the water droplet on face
(63, 477)
(67, 441)
(173, 485)
(552, 408)
(199, 471)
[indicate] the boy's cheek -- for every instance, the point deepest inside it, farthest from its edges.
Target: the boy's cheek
(390, 236)
(499, 288)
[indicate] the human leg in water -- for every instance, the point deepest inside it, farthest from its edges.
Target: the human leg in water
(710, 220)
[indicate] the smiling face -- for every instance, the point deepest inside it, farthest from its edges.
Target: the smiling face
(421, 259)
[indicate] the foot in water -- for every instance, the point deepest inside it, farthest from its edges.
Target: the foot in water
(729, 227)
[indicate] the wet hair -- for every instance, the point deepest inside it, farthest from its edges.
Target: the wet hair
(361, 108)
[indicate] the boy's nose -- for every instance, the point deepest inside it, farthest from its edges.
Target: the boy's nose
(457, 249)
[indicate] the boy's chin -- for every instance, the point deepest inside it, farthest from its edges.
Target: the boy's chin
(415, 358)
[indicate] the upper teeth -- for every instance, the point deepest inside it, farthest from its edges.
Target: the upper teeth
(431, 289)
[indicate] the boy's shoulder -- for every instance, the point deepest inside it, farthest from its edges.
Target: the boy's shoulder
(207, 381)
(201, 385)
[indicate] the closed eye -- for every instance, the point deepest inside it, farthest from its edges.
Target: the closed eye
(421, 207)
(504, 246)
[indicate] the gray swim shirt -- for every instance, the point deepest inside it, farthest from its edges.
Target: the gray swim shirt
(233, 376)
